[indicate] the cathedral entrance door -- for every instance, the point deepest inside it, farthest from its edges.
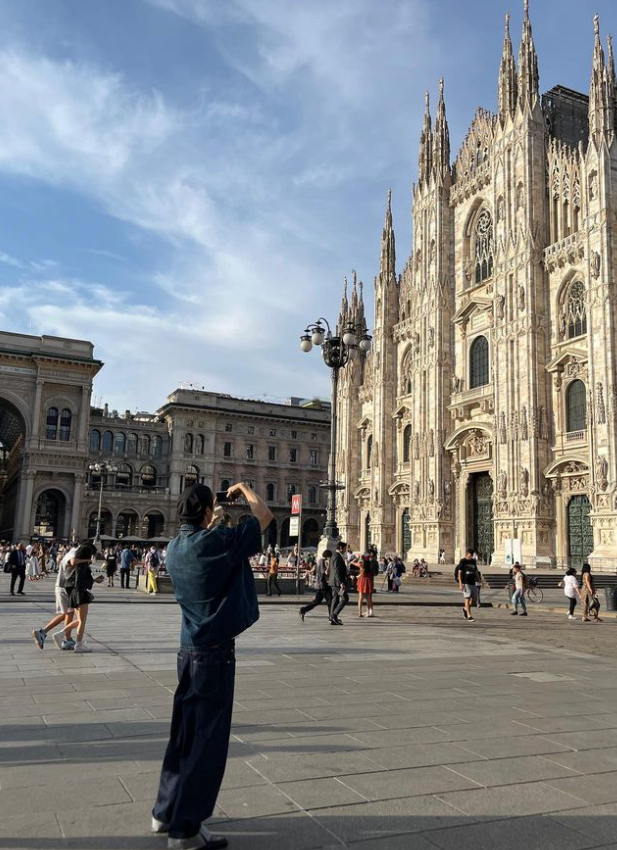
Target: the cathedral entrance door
(481, 525)
(580, 531)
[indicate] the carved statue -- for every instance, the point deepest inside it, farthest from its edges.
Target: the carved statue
(416, 491)
(431, 337)
(457, 384)
(563, 325)
(502, 483)
(602, 473)
(600, 406)
(431, 489)
(523, 482)
(521, 298)
(596, 263)
(500, 306)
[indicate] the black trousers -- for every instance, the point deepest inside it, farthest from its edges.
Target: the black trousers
(272, 583)
(125, 576)
(340, 598)
(18, 573)
(571, 604)
(196, 754)
(324, 593)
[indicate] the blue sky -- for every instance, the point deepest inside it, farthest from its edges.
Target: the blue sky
(185, 182)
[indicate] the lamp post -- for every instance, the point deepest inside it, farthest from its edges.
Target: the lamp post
(338, 349)
(102, 468)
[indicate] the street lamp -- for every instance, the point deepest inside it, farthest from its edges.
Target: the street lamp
(338, 349)
(102, 468)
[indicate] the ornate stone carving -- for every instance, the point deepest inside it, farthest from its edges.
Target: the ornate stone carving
(431, 443)
(521, 298)
(502, 484)
(523, 481)
(524, 427)
(596, 264)
(500, 306)
(600, 406)
(503, 435)
(602, 473)
(416, 492)
(477, 445)
(431, 337)
(431, 490)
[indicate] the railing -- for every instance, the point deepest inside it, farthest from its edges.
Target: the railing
(576, 436)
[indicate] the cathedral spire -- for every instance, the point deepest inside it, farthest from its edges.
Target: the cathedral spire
(354, 291)
(344, 305)
(528, 76)
(387, 267)
(441, 140)
(425, 162)
(508, 84)
(602, 89)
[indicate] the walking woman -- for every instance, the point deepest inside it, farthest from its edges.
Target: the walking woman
(272, 582)
(589, 597)
(78, 587)
(571, 591)
(364, 584)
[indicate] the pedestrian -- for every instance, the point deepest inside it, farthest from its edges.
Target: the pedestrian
(64, 613)
(17, 563)
(589, 597)
(33, 569)
(272, 582)
(466, 575)
(127, 559)
(213, 582)
(365, 584)
(152, 564)
(571, 591)
(111, 565)
(442, 556)
(339, 581)
(324, 591)
(518, 597)
(78, 585)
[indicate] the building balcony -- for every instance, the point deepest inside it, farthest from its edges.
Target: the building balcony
(483, 396)
(116, 491)
(576, 436)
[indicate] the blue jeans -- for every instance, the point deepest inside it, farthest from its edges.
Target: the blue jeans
(519, 596)
(196, 754)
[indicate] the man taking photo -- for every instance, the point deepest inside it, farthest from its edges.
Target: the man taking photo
(214, 586)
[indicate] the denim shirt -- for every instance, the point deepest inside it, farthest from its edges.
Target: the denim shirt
(213, 581)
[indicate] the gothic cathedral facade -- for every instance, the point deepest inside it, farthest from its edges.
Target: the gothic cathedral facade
(486, 413)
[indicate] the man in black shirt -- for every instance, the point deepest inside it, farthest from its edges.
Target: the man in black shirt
(339, 579)
(466, 573)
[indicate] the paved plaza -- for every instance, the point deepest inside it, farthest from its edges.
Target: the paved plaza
(413, 730)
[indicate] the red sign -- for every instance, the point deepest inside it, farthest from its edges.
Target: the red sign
(296, 504)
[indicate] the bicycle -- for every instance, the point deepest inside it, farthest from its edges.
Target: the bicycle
(532, 593)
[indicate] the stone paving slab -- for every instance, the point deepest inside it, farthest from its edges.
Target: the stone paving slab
(381, 734)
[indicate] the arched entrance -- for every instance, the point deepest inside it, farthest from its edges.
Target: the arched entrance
(127, 524)
(580, 531)
(310, 533)
(482, 536)
(49, 516)
(105, 523)
(285, 541)
(153, 525)
(12, 437)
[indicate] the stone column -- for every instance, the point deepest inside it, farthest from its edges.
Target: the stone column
(36, 413)
(26, 490)
(84, 416)
(73, 530)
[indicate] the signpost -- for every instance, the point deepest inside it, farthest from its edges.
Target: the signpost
(295, 524)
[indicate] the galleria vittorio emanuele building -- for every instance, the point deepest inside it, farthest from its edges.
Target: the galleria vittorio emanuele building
(486, 413)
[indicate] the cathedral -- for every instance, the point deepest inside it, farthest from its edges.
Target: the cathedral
(485, 415)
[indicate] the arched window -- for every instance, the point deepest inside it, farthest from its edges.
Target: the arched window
(225, 485)
(312, 495)
(157, 446)
(107, 443)
(200, 444)
(132, 444)
(148, 476)
(52, 423)
(291, 491)
(124, 475)
(191, 475)
(369, 452)
(145, 445)
(576, 407)
(95, 440)
(270, 493)
(478, 362)
(484, 246)
(64, 432)
(120, 445)
(576, 312)
(188, 443)
(408, 386)
(407, 444)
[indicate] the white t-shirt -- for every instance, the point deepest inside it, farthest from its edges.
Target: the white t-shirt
(519, 581)
(60, 578)
(570, 586)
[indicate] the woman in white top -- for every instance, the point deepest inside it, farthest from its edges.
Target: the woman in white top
(571, 591)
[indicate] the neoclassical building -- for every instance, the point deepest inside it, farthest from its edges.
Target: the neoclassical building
(486, 413)
(50, 435)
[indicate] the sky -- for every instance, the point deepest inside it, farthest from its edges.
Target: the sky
(185, 183)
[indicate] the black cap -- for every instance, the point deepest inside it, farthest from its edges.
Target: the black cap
(193, 502)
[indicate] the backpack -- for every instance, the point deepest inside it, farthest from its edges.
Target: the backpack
(154, 560)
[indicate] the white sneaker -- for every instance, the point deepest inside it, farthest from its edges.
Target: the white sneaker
(82, 647)
(204, 840)
(58, 639)
(571, 617)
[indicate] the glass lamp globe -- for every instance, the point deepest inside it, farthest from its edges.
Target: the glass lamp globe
(317, 338)
(349, 338)
(365, 344)
(305, 343)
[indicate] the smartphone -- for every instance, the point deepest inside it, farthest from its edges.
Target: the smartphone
(222, 498)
